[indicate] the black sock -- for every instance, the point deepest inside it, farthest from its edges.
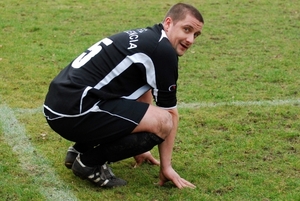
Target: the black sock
(128, 146)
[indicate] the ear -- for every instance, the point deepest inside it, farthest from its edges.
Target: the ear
(167, 23)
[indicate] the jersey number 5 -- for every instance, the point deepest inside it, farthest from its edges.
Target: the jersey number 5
(91, 52)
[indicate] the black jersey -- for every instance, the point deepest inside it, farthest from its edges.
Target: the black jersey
(125, 65)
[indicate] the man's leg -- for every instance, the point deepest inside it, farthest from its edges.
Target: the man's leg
(73, 151)
(126, 147)
(152, 129)
(157, 121)
(114, 121)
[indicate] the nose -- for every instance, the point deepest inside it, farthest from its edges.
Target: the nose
(190, 39)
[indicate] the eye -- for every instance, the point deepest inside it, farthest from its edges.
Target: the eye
(186, 29)
(197, 34)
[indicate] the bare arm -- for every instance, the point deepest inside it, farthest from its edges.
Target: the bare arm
(166, 148)
(167, 173)
(150, 123)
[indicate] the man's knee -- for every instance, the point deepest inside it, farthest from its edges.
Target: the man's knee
(157, 121)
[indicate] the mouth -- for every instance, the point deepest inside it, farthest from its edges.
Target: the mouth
(185, 47)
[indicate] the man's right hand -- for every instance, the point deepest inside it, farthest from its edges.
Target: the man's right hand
(169, 174)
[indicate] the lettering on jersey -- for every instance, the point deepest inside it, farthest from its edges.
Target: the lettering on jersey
(134, 37)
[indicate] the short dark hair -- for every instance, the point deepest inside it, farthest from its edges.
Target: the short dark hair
(180, 10)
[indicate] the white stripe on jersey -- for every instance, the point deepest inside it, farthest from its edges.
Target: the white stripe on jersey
(163, 35)
(82, 96)
(135, 95)
(125, 64)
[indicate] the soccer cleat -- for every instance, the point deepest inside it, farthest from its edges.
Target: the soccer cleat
(71, 157)
(100, 175)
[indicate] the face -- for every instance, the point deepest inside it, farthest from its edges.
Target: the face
(183, 33)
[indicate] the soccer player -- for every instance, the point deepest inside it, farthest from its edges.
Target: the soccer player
(102, 99)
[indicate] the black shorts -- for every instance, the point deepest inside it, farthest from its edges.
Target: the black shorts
(115, 119)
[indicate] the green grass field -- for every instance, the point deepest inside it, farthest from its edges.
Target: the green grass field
(238, 93)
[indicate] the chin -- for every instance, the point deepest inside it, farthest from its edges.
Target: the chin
(180, 53)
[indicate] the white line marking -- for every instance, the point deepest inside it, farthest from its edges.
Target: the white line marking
(205, 104)
(241, 103)
(32, 162)
(29, 110)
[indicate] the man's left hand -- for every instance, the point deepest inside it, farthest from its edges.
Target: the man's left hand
(145, 157)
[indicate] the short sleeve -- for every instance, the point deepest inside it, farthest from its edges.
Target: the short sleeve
(165, 61)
